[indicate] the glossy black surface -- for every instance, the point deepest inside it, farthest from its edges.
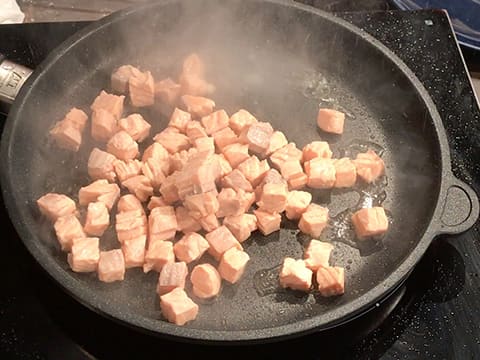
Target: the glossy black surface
(437, 317)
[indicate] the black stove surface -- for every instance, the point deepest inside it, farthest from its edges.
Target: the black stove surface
(434, 315)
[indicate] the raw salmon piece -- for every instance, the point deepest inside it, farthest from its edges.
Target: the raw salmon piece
(370, 222)
(54, 205)
(168, 189)
(215, 121)
(111, 266)
(141, 89)
(297, 203)
(241, 226)
(273, 198)
(192, 78)
(206, 281)
(205, 144)
(172, 275)
(331, 121)
(313, 220)
(134, 251)
(130, 225)
(99, 190)
(331, 280)
(254, 169)
(233, 264)
(185, 222)
(156, 201)
(236, 180)
(167, 91)
(236, 154)
(76, 118)
(369, 166)
(225, 166)
(135, 126)
(129, 202)
(317, 254)
(292, 171)
(320, 173)
(316, 149)
(157, 152)
(258, 137)
(224, 137)
(67, 229)
(179, 159)
(267, 222)
(122, 146)
(177, 307)
(190, 247)
(295, 275)
(140, 186)
(104, 125)
(120, 77)
(277, 141)
(298, 183)
(345, 173)
(66, 136)
(127, 169)
(172, 141)
(198, 106)
(201, 205)
(272, 176)
(240, 120)
(209, 222)
(158, 254)
(232, 203)
(287, 153)
(220, 240)
(153, 171)
(180, 119)
(162, 223)
(97, 219)
(195, 130)
(84, 254)
(109, 102)
(101, 165)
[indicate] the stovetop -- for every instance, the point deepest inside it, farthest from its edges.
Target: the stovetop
(434, 315)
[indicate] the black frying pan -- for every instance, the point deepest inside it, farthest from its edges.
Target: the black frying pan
(279, 60)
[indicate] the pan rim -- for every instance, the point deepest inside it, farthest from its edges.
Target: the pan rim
(87, 297)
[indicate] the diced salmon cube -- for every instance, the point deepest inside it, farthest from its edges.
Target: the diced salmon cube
(206, 281)
(177, 307)
(99, 190)
(273, 198)
(345, 173)
(370, 222)
(198, 106)
(292, 171)
(111, 266)
(172, 140)
(331, 121)
(192, 78)
(136, 126)
(156, 201)
(240, 120)
(254, 169)
(369, 166)
(220, 240)
(298, 182)
(215, 121)
(180, 119)
(313, 220)
(317, 254)
(153, 171)
(267, 222)
(317, 149)
(158, 254)
(236, 180)
(66, 136)
(209, 222)
(297, 203)
(162, 223)
(167, 91)
(130, 225)
(129, 202)
(201, 205)
(157, 152)
(101, 165)
(241, 226)
(225, 166)
(257, 136)
(127, 169)
(236, 154)
(277, 141)
(141, 89)
(120, 77)
(179, 159)
(195, 130)
(104, 125)
(109, 102)
(97, 219)
(272, 176)
(190, 247)
(331, 280)
(320, 173)
(289, 152)
(295, 275)
(68, 228)
(224, 137)
(140, 186)
(185, 222)
(122, 146)
(84, 254)
(205, 144)
(233, 202)
(134, 251)
(172, 275)
(168, 189)
(233, 264)
(77, 118)
(54, 205)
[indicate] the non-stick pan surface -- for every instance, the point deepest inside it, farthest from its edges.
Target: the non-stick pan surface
(280, 61)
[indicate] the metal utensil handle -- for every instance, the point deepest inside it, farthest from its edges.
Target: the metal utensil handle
(12, 78)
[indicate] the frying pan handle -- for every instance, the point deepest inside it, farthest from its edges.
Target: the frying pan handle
(12, 77)
(460, 210)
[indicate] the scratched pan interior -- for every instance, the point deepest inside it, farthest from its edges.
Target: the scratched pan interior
(280, 61)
